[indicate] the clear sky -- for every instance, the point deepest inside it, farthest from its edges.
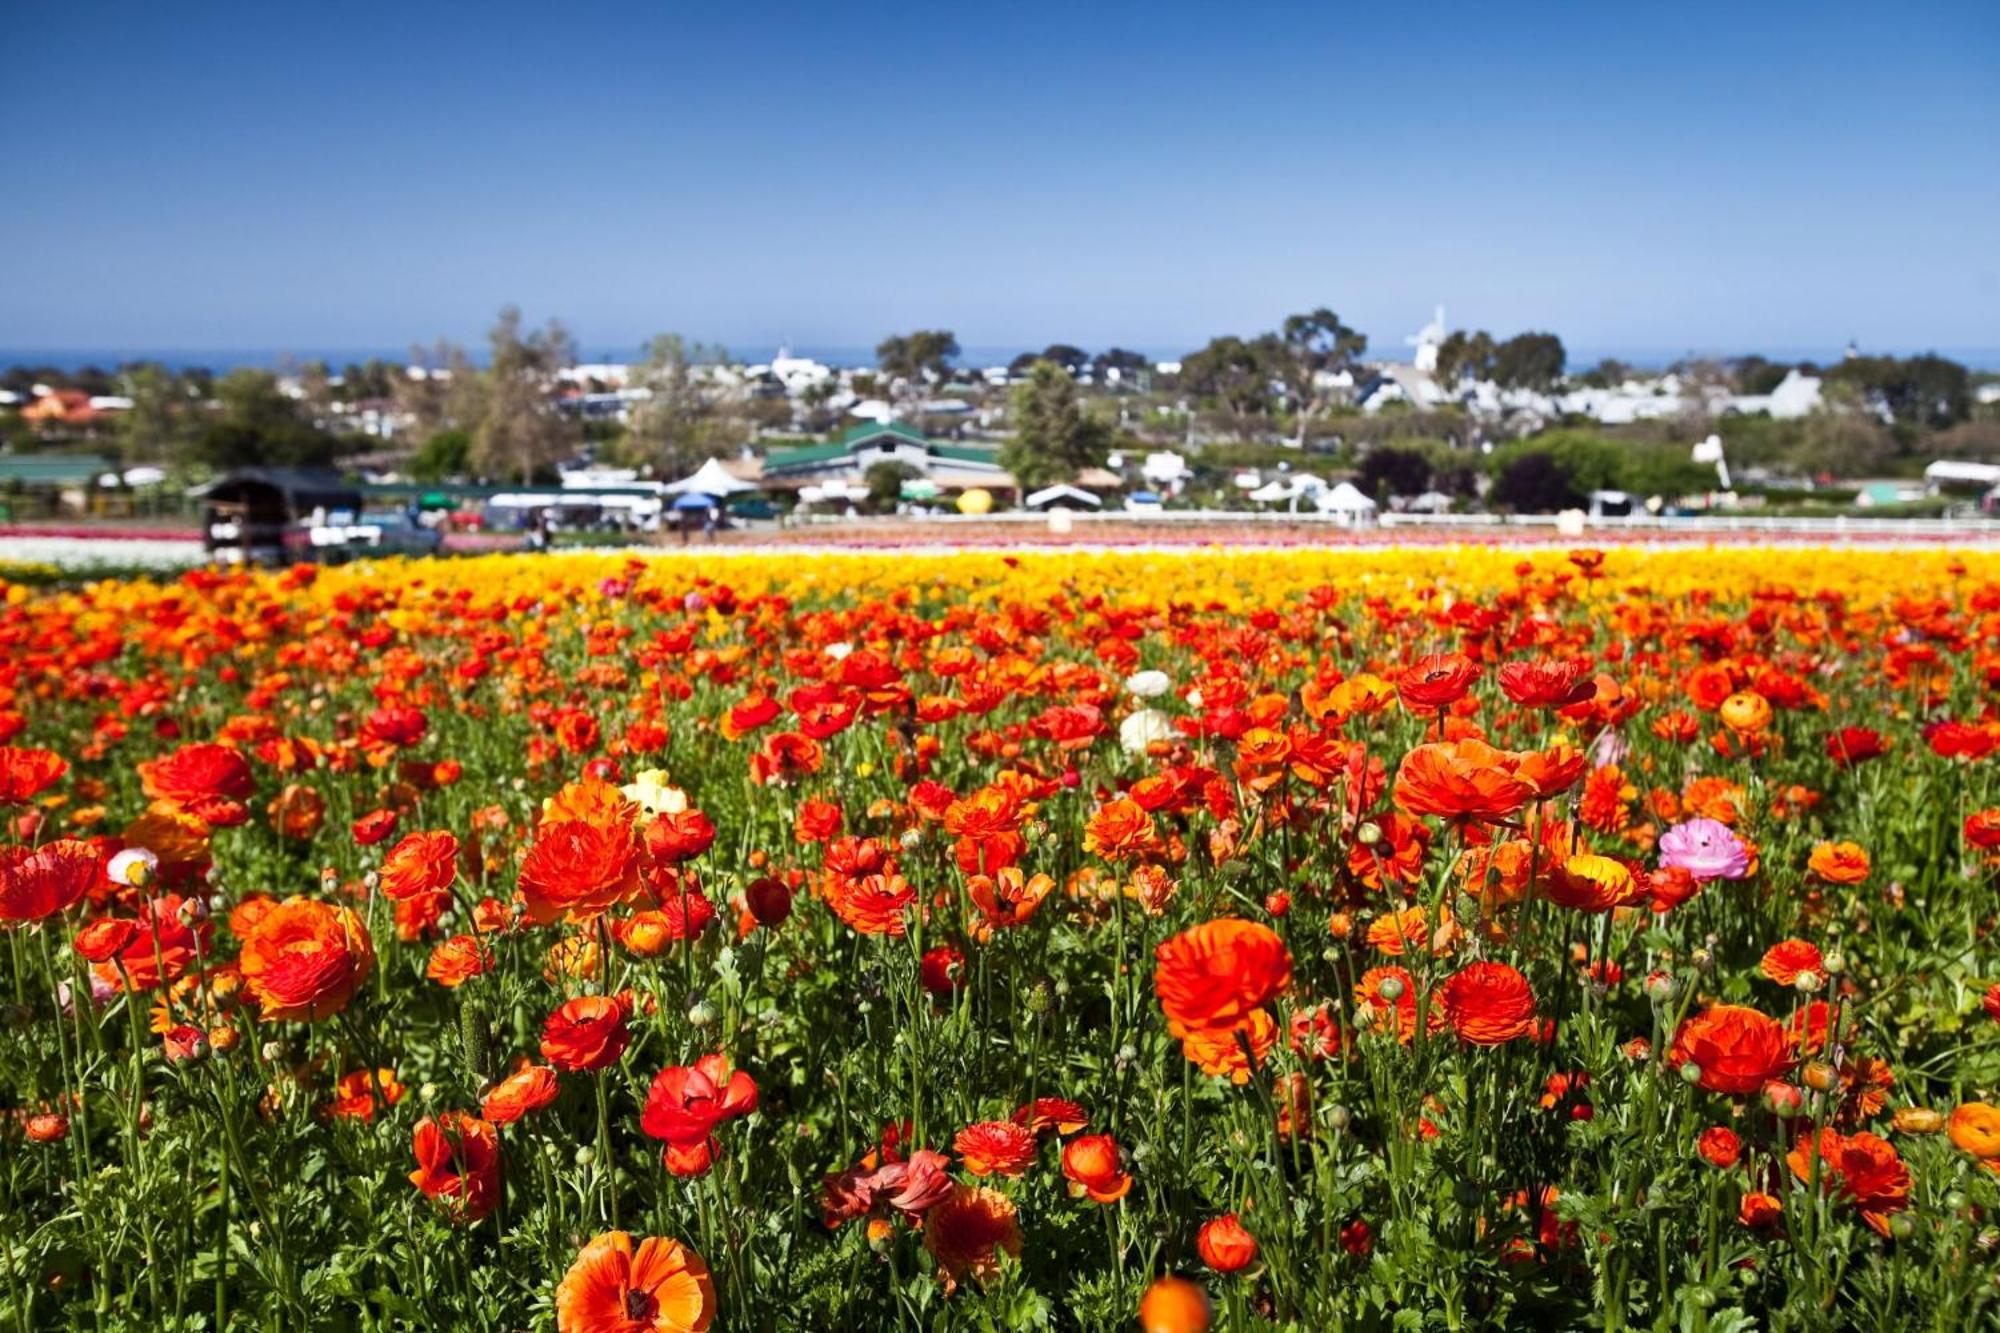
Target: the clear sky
(1717, 176)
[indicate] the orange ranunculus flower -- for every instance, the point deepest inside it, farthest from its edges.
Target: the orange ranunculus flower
(1862, 1166)
(1120, 829)
(1975, 1128)
(1737, 1049)
(1552, 771)
(38, 883)
(968, 1232)
(1225, 1244)
(1211, 976)
(1488, 1004)
(1219, 1051)
(1173, 1305)
(1759, 1210)
(1007, 898)
(458, 1164)
(355, 1096)
(1786, 960)
(529, 1088)
(872, 904)
(305, 959)
(579, 869)
(458, 960)
(170, 931)
(1465, 779)
(26, 774)
(1839, 862)
(685, 1104)
(297, 812)
(420, 863)
(1436, 681)
(1592, 883)
(1094, 1168)
(587, 1033)
(996, 1147)
(660, 1287)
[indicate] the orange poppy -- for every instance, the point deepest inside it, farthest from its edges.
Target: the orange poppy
(1225, 1244)
(26, 774)
(1787, 960)
(661, 1286)
(1095, 1168)
(420, 863)
(578, 869)
(1173, 1305)
(458, 1164)
(1839, 862)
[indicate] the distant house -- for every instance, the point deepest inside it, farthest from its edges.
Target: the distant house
(62, 407)
(948, 466)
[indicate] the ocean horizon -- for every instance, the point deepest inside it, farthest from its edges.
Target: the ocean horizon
(70, 360)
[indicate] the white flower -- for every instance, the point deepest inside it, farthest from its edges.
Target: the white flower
(1147, 684)
(134, 865)
(838, 650)
(1142, 728)
(654, 794)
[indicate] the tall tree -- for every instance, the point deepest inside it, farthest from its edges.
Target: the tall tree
(152, 428)
(1054, 437)
(1238, 376)
(1529, 361)
(679, 424)
(926, 354)
(1465, 355)
(255, 423)
(521, 432)
(1317, 346)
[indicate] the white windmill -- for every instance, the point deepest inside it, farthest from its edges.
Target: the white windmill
(1426, 341)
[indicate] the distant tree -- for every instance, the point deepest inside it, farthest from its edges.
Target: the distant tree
(1238, 376)
(520, 432)
(1532, 482)
(1465, 355)
(1755, 375)
(1071, 359)
(680, 425)
(1054, 437)
(1838, 440)
(443, 456)
(1928, 392)
(439, 389)
(1316, 345)
(1529, 361)
(926, 354)
(1391, 472)
(885, 483)
(1608, 373)
(153, 428)
(256, 424)
(1129, 365)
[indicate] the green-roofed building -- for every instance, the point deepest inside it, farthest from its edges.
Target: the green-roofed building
(51, 471)
(951, 467)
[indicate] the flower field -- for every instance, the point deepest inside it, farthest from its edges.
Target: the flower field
(1284, 939)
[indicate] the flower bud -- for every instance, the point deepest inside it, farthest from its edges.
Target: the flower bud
(1820, 1076)
(1390, 989)
(1917, 1120)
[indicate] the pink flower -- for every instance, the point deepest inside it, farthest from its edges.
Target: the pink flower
(1706, 849)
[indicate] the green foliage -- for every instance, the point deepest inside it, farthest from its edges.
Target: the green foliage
(255, 424)
(1054, 437)
(444, 455)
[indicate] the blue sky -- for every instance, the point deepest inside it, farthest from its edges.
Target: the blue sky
(1632, 177)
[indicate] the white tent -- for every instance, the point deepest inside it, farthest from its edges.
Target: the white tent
(1346, 498)
(1271, 492)
(711, 479)
(1061, 494)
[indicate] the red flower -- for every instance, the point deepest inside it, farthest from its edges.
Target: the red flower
(420, 863)
(1488, 1004)
(210, 782)
(587, 1033)
(395, 725)
(1211, 976)
(1225, 1245)
(996, 1147)
(1436, 681)
(1737, 1049)
(26, 774)
(674, 838)
(1545, 684)
(39, 883)
(1719, 1147)
(687, 1102)
(1852, 745)
(458, 1164)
